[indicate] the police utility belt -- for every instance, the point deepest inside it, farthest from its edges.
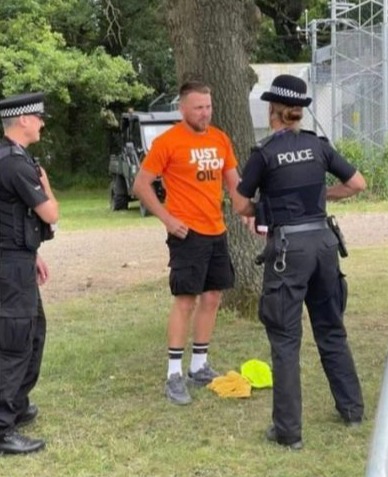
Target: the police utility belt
(281, 243)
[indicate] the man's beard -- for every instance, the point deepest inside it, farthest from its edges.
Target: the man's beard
(198, 127)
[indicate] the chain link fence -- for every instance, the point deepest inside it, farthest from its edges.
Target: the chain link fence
(349, 82)
(354, 108)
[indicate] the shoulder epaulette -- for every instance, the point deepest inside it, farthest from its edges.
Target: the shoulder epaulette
(262, 143)
(323, 138)
(6, 151)
(308, 131)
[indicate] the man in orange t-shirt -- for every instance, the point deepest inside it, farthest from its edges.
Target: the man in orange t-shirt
(195, 160)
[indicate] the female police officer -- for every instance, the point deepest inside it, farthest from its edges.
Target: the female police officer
(301, 261)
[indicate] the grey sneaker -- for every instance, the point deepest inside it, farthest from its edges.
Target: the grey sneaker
(202, 377)
(176, 390)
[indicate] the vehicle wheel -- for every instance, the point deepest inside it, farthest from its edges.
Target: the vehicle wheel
(144, 212)
(118, 194)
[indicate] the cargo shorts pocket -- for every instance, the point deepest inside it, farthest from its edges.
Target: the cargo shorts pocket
(271, 305)
(182, 279)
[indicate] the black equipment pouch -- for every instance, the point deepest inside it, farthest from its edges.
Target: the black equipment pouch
(333, 224)
(32, 231)
(260, 216)
(47, 232)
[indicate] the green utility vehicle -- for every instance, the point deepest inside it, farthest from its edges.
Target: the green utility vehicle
(129, 145)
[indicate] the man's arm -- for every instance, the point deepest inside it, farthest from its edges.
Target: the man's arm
(231, 180)
(243, 206)
(353, 186)
(144, 191)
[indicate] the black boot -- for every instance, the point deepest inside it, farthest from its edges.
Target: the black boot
(15, 443)
(271, 436)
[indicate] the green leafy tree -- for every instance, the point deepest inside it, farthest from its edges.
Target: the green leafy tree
(137, 30)
(79, 84)
(280, 37)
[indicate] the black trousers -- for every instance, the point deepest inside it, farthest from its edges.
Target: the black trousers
(22, 336)
(312, 276)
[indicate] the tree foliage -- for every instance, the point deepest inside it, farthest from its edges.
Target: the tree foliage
(138, 31)
(79, 81)
(281, 37)
(89, 55)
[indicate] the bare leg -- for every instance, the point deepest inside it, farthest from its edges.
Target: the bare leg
(205, 314)
(179, 320)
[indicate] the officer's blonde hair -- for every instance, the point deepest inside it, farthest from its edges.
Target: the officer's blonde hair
(288, 115)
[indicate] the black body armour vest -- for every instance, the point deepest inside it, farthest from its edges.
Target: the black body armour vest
(293, 189)
(22, 228)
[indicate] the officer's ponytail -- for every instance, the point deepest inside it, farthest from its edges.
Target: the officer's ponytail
(288, 115)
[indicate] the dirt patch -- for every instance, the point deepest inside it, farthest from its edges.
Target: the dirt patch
(102, 260)
(94, 261)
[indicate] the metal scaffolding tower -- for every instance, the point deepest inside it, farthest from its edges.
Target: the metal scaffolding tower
(355, 65)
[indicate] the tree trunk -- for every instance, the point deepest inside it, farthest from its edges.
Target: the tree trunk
(211, 41)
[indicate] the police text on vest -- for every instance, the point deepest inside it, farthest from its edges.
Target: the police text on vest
(295, 156)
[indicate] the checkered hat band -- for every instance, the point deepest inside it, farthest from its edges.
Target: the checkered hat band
(287, 93)
(34, 108)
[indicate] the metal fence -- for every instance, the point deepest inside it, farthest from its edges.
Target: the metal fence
(350, 75)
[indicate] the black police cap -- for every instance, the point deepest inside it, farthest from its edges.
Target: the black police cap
(22, 104)
(289, 90)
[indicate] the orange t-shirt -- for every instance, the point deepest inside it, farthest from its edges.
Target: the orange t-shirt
(191, 165)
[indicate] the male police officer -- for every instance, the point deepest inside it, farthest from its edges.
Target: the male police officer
(301, 259)
(27, 207)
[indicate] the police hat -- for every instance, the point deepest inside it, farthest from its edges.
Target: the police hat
(22, 104)
(289, 90)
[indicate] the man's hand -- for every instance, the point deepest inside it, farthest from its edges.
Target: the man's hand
(44, 180)
(176, 227)
(42, 271)
(249, 222)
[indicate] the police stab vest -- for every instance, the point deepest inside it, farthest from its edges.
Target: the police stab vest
(29, 230)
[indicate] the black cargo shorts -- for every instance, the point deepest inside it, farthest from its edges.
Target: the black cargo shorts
(199, 263)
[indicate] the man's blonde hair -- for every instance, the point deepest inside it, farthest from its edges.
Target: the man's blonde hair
(193, 86)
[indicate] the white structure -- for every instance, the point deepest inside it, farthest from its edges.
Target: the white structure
(266, 73)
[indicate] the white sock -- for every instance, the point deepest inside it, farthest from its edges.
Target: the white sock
(175, 356)
(174, 366)
(199, 356)
(197, 361)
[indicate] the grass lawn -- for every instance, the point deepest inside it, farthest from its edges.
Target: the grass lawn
(103, 412)
(82, 210)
